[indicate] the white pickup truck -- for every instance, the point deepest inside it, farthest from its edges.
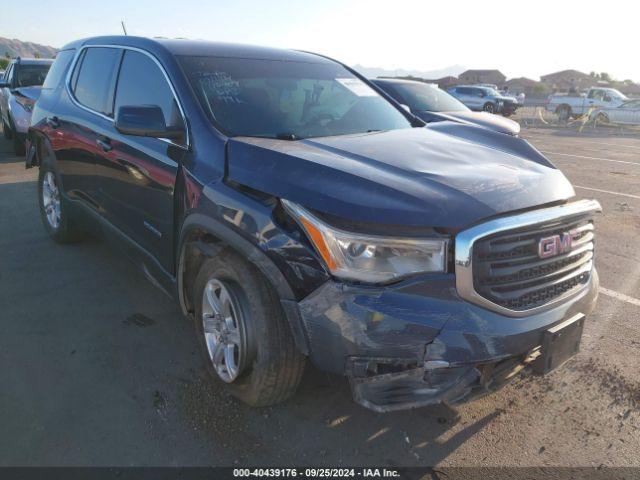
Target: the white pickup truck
(567, 106)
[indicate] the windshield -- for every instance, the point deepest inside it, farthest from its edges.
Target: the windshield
(619, 94)
(286, 99)
(31, 75)
(432, 99)
(492, 92)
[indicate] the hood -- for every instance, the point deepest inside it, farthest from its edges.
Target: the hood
(417, 177)
(487, 120)
(32, 93)
(502, 98)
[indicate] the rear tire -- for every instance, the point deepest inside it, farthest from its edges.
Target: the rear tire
(489, 107)
(564, 113)
(54, 213)
(265, 367)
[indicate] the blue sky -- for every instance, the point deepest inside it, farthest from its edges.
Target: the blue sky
(520, 39)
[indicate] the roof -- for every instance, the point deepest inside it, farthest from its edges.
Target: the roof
(575, 73)
(522, 81)
(35, 61)
(482, 72)
(200, 48)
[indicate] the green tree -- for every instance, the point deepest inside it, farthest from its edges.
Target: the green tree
(605, 76)
(4, 62)
(36, 54)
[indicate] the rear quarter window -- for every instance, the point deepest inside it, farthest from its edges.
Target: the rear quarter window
(59, 69)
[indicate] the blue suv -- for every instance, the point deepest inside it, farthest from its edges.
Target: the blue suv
(296, 212)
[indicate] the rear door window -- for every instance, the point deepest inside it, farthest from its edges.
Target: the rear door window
(141, 82)
(96, 78)
(59, 69)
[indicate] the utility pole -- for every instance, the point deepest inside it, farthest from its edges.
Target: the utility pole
(124, 29)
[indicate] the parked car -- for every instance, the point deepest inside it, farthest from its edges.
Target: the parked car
(293, 212)
(627, 113)
(431, 104)
(485, 99)
(567, 105)
(19, 90)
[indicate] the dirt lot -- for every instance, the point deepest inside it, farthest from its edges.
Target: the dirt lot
(100, 368)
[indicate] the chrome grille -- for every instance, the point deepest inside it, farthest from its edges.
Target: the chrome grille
(498, 264)
(508, 271)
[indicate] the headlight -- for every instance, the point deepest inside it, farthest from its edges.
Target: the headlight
(25, 103)
(369, 258)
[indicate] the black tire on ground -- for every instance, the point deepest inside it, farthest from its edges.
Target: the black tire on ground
(273, 366)
(6, 131)
(564, 113)
(489, 107)
(18, 145)
(602, 118)
(67, 229)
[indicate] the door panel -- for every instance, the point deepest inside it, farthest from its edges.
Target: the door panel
(136, 186)
(82, 120)
(137, 175)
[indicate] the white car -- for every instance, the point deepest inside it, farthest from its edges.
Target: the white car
(627, 113)
(567, 106)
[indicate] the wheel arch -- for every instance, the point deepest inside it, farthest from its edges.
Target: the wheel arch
(203, 237)
(41, 144)
(564, 106)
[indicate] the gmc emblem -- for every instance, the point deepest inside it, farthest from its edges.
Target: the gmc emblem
(556, 244)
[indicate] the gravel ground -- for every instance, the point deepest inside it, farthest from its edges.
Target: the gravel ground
(100, 368)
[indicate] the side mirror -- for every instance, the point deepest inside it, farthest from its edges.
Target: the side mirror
(4, 84)
(144, 121)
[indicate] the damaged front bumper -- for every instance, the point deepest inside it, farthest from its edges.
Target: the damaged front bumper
(418, 343)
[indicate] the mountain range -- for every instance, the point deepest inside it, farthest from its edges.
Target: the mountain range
(17, 48)
(373, 72)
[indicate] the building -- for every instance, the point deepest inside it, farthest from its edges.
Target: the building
(568, 80)
(444, 82)
(520, 85)
(494, 77)
(630, 89)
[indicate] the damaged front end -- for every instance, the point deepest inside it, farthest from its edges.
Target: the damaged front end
(418, 343)
(411, 386)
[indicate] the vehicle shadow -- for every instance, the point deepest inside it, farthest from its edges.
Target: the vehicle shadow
(322, 425)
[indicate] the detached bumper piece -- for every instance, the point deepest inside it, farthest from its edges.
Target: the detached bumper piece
(403, 385)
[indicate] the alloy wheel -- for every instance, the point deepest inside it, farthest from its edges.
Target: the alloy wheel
(51, 199)
(224, 330)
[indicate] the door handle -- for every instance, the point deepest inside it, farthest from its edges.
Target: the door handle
(53, 122)
(105, 144)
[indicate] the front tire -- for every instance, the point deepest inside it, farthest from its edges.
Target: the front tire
(56, 218)
(602, 119)
(19, 148)
(489, 107)
(243, 332)
(6, 131)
